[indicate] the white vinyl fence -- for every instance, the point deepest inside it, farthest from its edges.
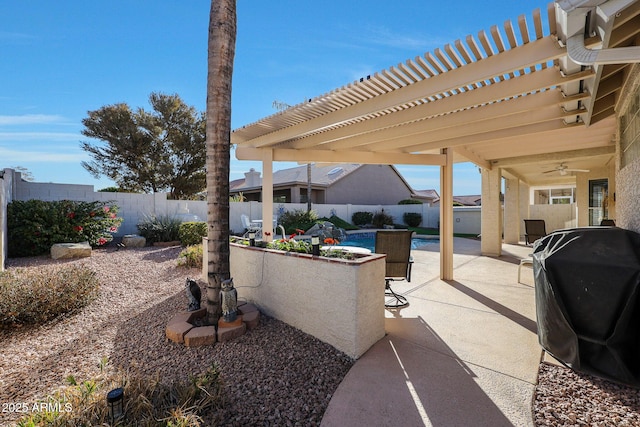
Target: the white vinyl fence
(135, 207)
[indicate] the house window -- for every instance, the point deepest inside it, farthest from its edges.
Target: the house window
(554, 196)
(630, 131)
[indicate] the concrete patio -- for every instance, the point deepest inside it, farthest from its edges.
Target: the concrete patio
(464, 352)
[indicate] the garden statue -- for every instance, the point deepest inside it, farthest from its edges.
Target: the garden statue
(229, 299)
(193, 294)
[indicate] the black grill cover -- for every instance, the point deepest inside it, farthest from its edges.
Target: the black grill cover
(588, 300)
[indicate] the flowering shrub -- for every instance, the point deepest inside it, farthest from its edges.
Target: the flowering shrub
(35, 225)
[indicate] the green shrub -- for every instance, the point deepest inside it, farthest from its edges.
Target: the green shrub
(148, 401)
(410, 202)
(191, 256)
(380, 219)
(339, 222)
(361, 218)
(35, 225)
(298, 219)
(160, 228)
(191, 233)
(412, 219)
(29, 296)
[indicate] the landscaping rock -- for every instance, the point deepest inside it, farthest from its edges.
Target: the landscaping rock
(134, 241)
(70, 250)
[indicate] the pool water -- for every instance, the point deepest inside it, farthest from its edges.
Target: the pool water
(368, 240)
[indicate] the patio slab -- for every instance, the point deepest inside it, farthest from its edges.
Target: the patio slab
(464, 352)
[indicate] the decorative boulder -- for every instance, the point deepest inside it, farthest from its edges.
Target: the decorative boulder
(70, 250)
(134, 241)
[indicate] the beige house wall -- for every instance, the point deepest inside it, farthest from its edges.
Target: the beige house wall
(376, 184)
(627, 209)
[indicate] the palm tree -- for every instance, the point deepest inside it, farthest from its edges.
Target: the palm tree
(221, 46)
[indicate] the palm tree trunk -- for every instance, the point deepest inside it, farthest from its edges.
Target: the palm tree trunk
(222, 40)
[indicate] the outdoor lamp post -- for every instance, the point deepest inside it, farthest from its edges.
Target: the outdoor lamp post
(315, 244)
(116, 409)
(252, 238)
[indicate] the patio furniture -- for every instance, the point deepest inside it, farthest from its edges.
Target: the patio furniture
(607, 223)
(251, 226)
(534, 230)
(396, 244)
(526, 262)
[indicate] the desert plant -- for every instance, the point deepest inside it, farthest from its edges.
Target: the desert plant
(35, 225)
(149, 401)
(29, 296)
(361, 218)
(412, 219)
(192, 232)
(380, 219)
(298, 219)
(160, 228)
(191, 256)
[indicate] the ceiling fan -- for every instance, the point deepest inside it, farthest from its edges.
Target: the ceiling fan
(563, 169)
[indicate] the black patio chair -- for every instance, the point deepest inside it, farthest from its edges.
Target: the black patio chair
(534, 229)
(396, 244)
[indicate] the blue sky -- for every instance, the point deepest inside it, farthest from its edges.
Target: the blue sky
(62, 59)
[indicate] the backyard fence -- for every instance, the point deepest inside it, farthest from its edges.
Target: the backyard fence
(135, 207)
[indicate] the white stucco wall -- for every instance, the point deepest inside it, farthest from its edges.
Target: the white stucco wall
(339, 302)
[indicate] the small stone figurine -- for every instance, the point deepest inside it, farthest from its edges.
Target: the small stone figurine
(193, 294)
(229, 300)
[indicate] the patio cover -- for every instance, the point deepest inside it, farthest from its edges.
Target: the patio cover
(511, 98)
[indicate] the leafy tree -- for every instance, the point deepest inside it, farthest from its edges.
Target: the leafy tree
(221, 51)
(162, 150)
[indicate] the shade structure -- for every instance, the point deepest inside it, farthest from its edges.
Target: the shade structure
(588, 300)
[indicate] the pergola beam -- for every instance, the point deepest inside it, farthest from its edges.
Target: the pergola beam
(326, 156)
(554, 157)
(530, 54)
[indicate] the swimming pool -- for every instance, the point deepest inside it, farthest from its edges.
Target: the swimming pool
(368, 240)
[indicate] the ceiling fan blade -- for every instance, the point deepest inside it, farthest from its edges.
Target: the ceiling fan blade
(577, 170)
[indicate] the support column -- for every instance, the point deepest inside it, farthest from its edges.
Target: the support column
(491, 213)
(446, 216)
(512, 211)
(267, 195)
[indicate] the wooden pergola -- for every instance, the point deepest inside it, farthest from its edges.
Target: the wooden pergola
(506, 100)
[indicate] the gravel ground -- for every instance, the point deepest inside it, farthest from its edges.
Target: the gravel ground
(273, 375)
(567, 398)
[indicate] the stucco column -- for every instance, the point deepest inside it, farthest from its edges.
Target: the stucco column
(525, 203)
(267, 195)
(491, 228)
(446, 216)
(512, 211)
(295, 194)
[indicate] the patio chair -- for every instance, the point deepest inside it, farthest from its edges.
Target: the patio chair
(250, 226)
(396, 244)
(607, 223)
(534, 230)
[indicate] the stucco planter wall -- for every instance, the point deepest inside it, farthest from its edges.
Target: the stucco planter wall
(340, 302)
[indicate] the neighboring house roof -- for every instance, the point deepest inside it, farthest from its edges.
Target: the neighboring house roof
(473, 200)
(426, 194)
(322, 175)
